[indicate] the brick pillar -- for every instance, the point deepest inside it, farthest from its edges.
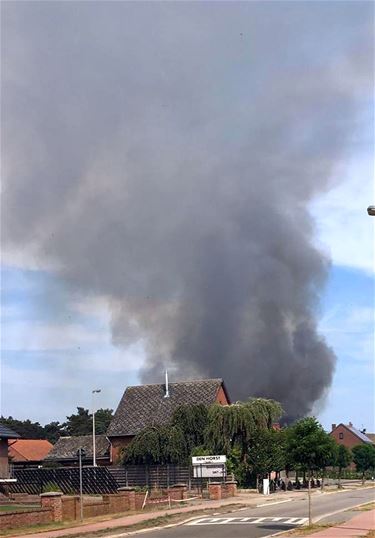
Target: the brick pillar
(231, 488)
(129, 494)
(178, 492)
(53, 502)
(214, 491)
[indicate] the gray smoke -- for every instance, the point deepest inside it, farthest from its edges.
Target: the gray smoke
(163, 156)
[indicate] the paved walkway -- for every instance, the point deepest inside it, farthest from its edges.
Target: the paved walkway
(359, 525)
(248, 500)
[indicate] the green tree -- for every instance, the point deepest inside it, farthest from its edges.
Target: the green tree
(102, 419)
(25, 428)
(192, 420)
(364, 459)
(157, 444)
(237, 424)
(342, 460)
(79, 423)
(309, 447)
(53, 431)
(267, 453)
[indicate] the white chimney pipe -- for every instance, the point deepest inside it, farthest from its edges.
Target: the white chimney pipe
(166, 395)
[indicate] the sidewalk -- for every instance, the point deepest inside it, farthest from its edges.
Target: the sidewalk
(359, 525)
(248, 500)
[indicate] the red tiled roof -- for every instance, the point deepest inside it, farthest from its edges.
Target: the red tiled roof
(29, 449)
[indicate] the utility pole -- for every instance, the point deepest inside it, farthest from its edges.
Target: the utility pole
(95, 391)
(81, 454)
(309, 499)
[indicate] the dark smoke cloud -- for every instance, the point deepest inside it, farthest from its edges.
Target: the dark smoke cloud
(163, 155)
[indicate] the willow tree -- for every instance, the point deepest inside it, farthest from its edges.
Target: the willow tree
(157, 444)
(237, 424)
(192, 420)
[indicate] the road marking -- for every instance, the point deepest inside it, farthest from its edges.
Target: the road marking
(294, 521)
(273, 504)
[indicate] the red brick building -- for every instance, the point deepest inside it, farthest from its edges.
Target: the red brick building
(349, 436)
(147, 405)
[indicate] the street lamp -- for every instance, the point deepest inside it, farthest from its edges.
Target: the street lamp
(95, 391)
(371, 210)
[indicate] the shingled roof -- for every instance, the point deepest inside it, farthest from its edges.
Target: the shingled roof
(66, 447)
(29, 450)
(7, 433)
(146, 405)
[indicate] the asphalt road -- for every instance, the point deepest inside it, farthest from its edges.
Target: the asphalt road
(266, 520)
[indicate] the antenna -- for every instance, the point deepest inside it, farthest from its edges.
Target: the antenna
(166, 395)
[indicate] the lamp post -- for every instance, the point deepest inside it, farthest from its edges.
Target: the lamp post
(95, 391)
(371, 210)
(81, 455)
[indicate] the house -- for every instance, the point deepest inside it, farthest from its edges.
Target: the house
(64, 452)
(349, 436)
(28, 453)
(5, 435)
(147, 405)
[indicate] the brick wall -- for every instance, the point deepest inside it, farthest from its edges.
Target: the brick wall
(217, 490)
(24, 518)
(117, 444)
(221, 397)
(139, 498)
(70, 507)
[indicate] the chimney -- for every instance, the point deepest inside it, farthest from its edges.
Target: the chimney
(350, 424)
(166, 395)
(333, 427)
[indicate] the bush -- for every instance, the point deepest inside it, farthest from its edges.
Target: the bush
(51, 487)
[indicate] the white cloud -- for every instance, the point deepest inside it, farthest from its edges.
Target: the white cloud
(35, 336)
(344, 229)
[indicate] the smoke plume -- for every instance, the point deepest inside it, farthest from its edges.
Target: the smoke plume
(163, 156)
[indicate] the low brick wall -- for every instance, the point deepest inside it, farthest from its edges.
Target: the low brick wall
(70, 507)
(139, 498)
(24, 518)
(110, 504)
(218, 490)
(58, 507)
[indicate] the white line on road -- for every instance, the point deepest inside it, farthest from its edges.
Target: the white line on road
(273, 504)
(294, 521)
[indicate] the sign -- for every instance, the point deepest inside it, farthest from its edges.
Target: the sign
(209, 471)
(207, 460)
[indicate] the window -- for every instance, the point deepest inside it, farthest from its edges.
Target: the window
(341, 435)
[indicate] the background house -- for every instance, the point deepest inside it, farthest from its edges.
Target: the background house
(64, 452)
(26, 453)
(147, 405)
(349, 436)
(5, 434)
